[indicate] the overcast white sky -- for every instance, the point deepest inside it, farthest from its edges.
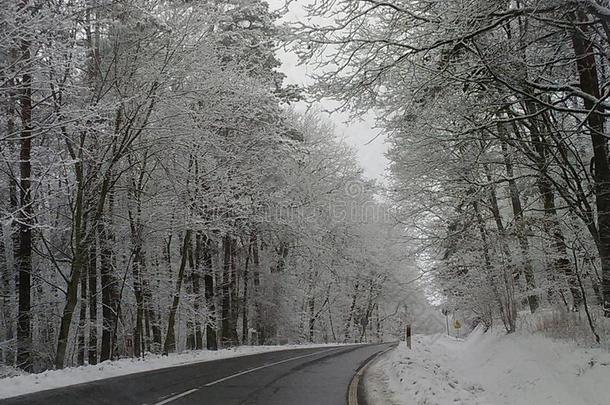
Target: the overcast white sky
(361, 135)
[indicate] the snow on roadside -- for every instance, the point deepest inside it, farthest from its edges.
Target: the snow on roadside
(28, 383)
(417, 376)
(490, 369)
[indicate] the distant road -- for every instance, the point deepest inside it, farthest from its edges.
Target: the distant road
(318, 376)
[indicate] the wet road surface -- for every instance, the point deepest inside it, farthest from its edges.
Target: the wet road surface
(318, 376)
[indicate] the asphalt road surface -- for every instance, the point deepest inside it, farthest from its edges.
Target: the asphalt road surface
(290, 377)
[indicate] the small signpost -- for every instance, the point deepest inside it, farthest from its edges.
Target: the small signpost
(129, 344)
(408, 335)
(457, 325)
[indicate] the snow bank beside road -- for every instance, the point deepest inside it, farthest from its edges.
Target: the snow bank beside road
(490, 369)
(28, 383)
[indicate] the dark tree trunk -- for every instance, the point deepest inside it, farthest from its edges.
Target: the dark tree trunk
(226, 298)
(365, 321)
(137, 268)
(195, 337)
(77, 266)
(6, 275)
(377, 323)
(256, 282)
(234, 294)
(14, 229)
(190, 321)
(110, 296)
(156, 325)
(170, 338)
(154, 319)
(146, 340)
(137, 289)
(82, 319)
(92, 272)
(71, 301)
(244, 312)
(350, 314)
(312, 317)
(210, 298)
(195, 266)
(330, 323)
(584, 51)
(8, 266)
(26, 213)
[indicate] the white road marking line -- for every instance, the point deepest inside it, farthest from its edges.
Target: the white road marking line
(175, 397)
(170, 399)
(265, 366)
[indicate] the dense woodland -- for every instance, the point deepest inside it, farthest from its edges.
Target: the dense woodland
(496, 115)
(159, 194)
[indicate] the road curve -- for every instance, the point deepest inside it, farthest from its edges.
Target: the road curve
(291, 377)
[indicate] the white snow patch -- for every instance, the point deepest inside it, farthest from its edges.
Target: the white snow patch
(490, 368)
(28, 383)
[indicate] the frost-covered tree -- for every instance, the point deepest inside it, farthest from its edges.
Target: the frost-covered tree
(495, 114)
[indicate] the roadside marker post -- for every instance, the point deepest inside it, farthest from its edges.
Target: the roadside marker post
(408, 336)
(129, 345)
(457, 326)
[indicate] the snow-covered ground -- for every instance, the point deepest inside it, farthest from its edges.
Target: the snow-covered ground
(27, 383)
(490, 369)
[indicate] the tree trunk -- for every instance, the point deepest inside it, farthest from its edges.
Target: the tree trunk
(506, 320)
(26, 215)
(560, 264)
(256, 283)
(244, 313)
(138, 335)
(71, 301)
(170, 338)
(510, 309)
(312, 317)
(521, 230)
(210, 299)
(226, 298)
(6, 274)
(137, 268)
(82, 319)
(8, 268)
(377, 323)
(196, 268)
(584, 51)
(350, 314)
(153, 316)
(110, 298)
(92, 272)
(192, 317)
(330, 323)
(234, 294)
(77, 266)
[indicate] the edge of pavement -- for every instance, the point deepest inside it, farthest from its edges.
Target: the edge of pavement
(356, 387)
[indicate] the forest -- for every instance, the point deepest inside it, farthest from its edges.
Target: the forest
(162, 188)
(496, 116)
(159, 193)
